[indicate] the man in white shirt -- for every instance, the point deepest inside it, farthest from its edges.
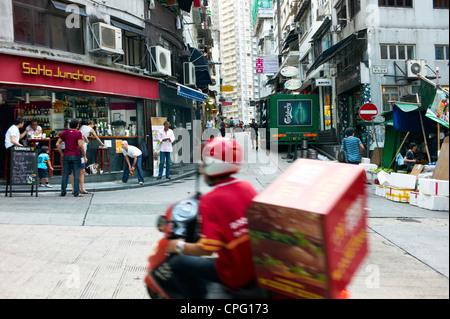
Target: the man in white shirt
(136, 155)
(13, 136)
(33, 131)
(210, 123)
(210, 128)
(166, 137)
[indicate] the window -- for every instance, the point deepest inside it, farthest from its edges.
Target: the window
(342, 15)
(390, 93)
(397, 51)
(396, 3)
(440, 4)
(355, 7)
(39, 22)
(442, 52)
(133, 46)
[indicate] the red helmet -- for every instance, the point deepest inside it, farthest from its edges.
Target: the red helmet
(222, 156)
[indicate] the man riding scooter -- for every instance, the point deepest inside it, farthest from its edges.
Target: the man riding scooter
(223, 229)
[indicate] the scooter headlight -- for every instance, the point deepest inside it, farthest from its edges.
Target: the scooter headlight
(185, 210)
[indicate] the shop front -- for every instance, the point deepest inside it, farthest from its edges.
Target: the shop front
(351, 96)
(53, 92)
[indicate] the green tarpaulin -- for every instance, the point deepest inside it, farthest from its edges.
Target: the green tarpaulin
(407, 107)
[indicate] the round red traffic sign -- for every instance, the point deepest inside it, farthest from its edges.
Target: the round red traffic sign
(368, 111)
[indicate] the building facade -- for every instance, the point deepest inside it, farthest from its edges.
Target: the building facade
(351, 52)
(237, 48)
(117, 63)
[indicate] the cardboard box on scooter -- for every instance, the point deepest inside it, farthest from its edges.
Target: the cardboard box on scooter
(308, 229)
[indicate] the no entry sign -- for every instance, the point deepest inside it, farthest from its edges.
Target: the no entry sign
(368, 111)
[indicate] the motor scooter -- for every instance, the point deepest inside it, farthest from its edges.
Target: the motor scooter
(181, 222)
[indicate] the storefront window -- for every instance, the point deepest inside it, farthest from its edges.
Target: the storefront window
(177, 116)
(327, 108)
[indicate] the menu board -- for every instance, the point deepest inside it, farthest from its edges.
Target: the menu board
(23, 167)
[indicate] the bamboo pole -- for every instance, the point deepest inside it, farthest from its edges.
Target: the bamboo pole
(399, 149)
(438, 137)
(424, 137)
(423, 131)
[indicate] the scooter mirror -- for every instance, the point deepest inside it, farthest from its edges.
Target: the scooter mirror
(161, 223)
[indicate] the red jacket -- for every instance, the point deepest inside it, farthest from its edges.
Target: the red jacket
(224, 230)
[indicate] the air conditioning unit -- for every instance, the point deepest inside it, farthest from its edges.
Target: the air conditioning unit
(189, 73)
(160, 61)
(361, 35)
(416, 67)
(106, 39)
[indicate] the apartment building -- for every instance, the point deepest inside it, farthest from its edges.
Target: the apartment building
(237, 48)
(378, 49)
(351, 52)
(263, 31)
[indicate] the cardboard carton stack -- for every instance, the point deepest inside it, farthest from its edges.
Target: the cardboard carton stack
(365, 163)
(308, 229)
(396, 187)
(433, 194)
(419, 191)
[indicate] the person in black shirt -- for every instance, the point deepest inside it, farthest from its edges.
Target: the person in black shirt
(409, 158)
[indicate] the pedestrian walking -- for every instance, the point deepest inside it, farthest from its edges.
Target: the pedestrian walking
(254, 133)
(353, 146)
(210, 128)
(232, 125)
(222, 128)
(166, 138)
(136, 154)
(73, 141)
(44, 165)
(83, 166)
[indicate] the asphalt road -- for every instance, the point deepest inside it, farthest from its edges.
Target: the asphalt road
(97, 246)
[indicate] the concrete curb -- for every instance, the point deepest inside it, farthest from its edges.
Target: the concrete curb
(106, 186)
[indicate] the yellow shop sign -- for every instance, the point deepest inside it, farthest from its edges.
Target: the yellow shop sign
(42, 70)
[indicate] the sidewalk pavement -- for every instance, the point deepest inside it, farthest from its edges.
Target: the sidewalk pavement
(108, 185)
(408, 255)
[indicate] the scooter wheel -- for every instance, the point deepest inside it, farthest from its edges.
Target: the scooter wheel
(154, 295)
